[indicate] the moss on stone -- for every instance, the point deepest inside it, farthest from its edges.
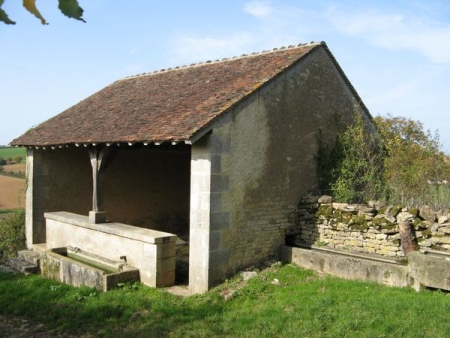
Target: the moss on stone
(388, 226)
(378, 221)
(325, 211)
(419, 224)
(395, 210)
(426, 233)
(359, 223)
(358, 220)
(414, 211)
(360, 227)
(346, 216)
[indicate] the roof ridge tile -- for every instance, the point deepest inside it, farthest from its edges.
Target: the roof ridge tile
(225, 59)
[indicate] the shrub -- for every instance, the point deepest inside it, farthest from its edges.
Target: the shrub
(17, 159)
(12, 233)
(353, 168)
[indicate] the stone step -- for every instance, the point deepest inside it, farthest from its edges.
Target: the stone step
(29, 256)
(23, 266)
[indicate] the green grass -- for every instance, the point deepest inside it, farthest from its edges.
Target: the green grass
(9, 211)
(302, 305)
(11, 152)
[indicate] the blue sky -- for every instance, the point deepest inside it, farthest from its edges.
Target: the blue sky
(396, 53)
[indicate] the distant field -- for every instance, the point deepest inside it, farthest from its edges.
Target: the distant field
(15, 168)
(11, 152)
(12, 193)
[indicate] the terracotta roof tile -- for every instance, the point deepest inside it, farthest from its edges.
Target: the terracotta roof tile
(169, 105)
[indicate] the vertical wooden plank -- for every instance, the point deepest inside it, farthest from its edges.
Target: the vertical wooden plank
(97, 156)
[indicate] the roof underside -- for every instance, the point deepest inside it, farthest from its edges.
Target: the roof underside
(166, 106)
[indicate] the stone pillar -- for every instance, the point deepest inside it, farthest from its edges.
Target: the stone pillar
(36, 193)
(199, 239)
(407, 238)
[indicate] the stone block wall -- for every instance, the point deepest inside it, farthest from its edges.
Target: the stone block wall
(371, 228)
(150, 251)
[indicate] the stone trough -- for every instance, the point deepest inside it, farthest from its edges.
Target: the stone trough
(426, 269)
(79, 268)
(430, 269)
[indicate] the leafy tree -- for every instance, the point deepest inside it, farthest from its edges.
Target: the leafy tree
(353, 167)
(414, 162)
(69, 8)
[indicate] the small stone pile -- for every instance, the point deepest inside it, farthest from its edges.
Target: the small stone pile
(371, 228)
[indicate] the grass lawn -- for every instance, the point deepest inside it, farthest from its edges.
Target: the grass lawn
(301, 304)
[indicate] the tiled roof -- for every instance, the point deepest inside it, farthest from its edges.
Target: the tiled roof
(170, 105)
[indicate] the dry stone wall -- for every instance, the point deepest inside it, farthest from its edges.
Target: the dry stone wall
(371, 228)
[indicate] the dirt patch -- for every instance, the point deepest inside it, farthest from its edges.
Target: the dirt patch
(12, 192)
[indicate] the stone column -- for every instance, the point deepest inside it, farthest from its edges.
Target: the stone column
(199, 250)
(36, 193)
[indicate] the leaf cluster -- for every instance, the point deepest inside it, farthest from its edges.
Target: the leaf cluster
(12, 233)
(415, 161)
(397, 161)
(69, 8)
(352, 168)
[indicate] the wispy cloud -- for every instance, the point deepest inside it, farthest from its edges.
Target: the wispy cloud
(393, 93)
(260, 9)
(194, 48)
(396, 31)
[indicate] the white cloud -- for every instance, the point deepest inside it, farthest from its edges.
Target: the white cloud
(396, 31)
(193, 48)
(394, 93)
(258, 8)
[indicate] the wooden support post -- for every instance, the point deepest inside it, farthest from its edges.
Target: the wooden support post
(97, 156)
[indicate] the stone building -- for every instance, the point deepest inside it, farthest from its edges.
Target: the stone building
(218, 153)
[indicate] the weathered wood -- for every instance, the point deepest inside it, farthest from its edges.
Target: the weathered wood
(407, 238)
(97, 156)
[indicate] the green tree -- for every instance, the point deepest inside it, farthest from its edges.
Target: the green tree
(69, 8)
(415, 161)
(17, 158)
(352, 168)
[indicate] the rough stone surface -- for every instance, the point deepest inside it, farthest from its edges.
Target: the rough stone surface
(246, 275)
(326, 199)
(347, 266)
(363, 228)
(428, 213)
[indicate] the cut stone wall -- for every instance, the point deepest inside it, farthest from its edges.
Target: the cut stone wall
(150, 251)
(57, 180)
(262, 160)
(371, 228)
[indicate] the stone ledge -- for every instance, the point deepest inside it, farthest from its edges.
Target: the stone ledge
(119, 229)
